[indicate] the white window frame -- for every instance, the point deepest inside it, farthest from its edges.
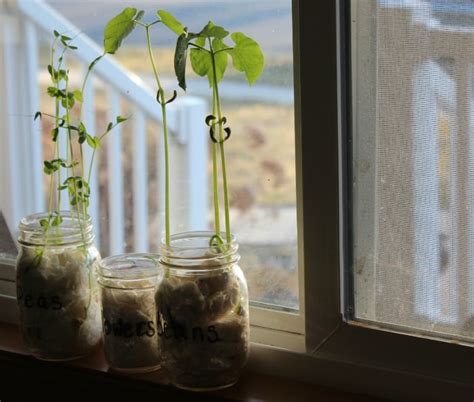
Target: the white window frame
(340, 351)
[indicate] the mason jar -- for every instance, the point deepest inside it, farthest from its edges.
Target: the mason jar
(128, 286)
(203, 313)
(57, 290)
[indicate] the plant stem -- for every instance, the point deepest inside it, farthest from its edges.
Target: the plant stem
(215, 187)
(165, 135)
(221, 147)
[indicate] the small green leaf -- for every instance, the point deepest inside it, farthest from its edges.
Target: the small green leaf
(56, 34)
(200, 61)
(62, 75)
(38, 114)
(48, 168)
(247, 56)
(220, 58)
(213, 31)
(78, 95)
(54, 133)
(57, 220)
(68, 101)
(94, 142)
(72, 47)
(52, 91)
(65, 38)
(118, 28)
(120, 119)
(180, 56)
(94, 62)
(110, 126)
(44, 223)
(171, 22)
(140, 15)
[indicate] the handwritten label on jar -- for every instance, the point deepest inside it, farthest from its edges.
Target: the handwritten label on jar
(195, 334)
(29, 300)
(121, 328)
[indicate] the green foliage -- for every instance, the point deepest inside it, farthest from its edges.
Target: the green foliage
(171, 22)
(209, 58)
(119, 27)
(76, 183)
(247, 56)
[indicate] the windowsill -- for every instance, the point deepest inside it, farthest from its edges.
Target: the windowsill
(14, 360)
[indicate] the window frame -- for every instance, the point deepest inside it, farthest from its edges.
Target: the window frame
(332, 331)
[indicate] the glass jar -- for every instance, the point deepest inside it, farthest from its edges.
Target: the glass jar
(203, 321)
(128, 286)
(57, 291)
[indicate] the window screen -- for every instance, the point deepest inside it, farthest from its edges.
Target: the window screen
(413, 165)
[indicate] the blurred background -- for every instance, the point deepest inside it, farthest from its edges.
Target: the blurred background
(127, 208)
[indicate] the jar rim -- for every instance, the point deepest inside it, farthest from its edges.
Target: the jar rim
(193, 251)
(130, 266)
(187, 237)
(73, 229)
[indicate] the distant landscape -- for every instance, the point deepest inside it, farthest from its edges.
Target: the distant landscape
(257, 18)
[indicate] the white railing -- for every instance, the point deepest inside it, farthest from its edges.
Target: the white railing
(21, 151)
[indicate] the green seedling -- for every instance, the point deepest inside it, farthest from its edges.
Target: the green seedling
(68, 172)
(209, 54)
(115, 32)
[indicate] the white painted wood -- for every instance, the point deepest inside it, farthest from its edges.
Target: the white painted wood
(127, 84)
(192, 119)
(89, 120)
(115, 179)
(140, 182)
(12, 168)
(33, 133)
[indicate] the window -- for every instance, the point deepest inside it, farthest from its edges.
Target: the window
(128, 208)
(412, 167)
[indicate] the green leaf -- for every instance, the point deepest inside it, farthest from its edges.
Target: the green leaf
(220, 58)
(118, 28)
(110, 126)
(120, 119)
(57, 220)
(247, 56)
(54, 133)
(52, 91)
(44, 223)
(68, 101)
(48, 168)
(38, 114)
(56, 34)
(62, 75)
(171, 22)
(180, 56)
(78, 95)
(213, 31)
(94, 62)
(82, 132)
(201, 61)
(94, 142)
